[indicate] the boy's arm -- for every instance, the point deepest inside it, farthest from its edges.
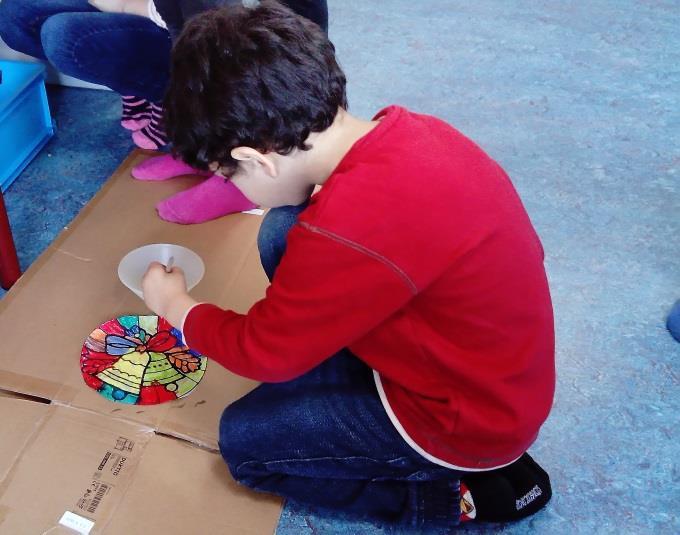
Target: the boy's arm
(326, 295)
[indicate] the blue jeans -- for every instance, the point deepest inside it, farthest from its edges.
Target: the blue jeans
(325, 439)
(126, 53)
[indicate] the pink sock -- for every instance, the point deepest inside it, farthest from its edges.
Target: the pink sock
(164, 167)
(212, 198)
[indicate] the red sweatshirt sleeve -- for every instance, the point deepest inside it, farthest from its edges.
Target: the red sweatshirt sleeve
(327, 293)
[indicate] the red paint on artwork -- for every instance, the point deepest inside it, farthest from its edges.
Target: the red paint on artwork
(154, 394)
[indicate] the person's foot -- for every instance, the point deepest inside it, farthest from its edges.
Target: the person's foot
(505, 494)
(136, 113)
(152, 136)
(164, 167)
(673, 321)
(212, 198)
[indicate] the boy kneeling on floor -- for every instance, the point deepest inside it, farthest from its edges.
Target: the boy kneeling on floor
(406, 340)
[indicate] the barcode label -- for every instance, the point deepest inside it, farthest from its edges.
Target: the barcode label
(103, 487)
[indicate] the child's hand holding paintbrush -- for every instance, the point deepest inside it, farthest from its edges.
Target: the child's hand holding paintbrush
(165, 291)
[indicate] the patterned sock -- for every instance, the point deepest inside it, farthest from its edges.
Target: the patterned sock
(152, 136)
(212, 198)
(509, 493)
(136, 113)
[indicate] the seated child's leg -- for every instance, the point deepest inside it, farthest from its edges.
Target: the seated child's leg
(324, 439)
(314, 10)
(126, 53)
(271, 240)
(21, 21)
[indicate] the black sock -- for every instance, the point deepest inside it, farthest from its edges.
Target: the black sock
(509, 493)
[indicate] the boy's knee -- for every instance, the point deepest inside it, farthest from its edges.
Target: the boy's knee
(274, 228)
(271, 239)
(231, 435)
(236, 444)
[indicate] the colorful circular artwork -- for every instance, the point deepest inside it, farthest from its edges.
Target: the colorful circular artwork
(140, 360)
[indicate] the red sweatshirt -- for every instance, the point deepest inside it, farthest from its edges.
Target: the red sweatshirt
(418, 256)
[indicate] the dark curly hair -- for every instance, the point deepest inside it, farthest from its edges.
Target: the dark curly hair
(260, 77)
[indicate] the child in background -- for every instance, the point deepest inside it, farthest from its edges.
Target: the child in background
(122, 51)
(115, 43)
(213, 197)
(406, 340)
(142, 117)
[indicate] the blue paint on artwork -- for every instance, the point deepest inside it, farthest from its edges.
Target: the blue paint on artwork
(115, 394)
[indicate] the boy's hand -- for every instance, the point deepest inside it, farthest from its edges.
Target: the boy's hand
(166, 293)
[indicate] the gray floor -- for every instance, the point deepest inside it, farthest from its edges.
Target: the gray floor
(580, 105)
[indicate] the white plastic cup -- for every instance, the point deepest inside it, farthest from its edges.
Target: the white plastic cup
(134, 264)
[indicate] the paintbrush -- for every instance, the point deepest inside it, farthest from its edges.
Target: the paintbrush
(168, 265)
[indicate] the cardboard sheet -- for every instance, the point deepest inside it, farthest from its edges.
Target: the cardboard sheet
(60, 459)
(116, 475)
(73, 287)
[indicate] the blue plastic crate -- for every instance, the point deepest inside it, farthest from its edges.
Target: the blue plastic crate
(25, 122)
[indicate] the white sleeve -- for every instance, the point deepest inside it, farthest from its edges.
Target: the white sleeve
(155, 16)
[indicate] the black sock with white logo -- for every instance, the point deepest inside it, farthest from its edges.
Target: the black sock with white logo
(509, 493)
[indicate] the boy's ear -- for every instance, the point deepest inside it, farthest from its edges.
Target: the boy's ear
(249, 154)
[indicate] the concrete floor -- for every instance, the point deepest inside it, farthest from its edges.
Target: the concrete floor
(580, 105)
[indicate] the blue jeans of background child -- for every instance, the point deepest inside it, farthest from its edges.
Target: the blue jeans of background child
(126, 53)
(325, 439)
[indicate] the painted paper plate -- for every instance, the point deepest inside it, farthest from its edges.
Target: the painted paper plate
(140, 360)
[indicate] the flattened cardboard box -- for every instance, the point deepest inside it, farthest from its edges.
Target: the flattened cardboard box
(73, 288)
(113, 477)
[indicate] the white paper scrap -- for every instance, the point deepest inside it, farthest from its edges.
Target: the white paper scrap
(76, 522)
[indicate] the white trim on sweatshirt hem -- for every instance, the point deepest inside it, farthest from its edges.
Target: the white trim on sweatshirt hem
(155, 16)
(400, 429)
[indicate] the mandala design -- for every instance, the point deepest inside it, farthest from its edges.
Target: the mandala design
(140, 360)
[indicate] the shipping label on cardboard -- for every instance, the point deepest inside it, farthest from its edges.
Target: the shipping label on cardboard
(106, 487)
